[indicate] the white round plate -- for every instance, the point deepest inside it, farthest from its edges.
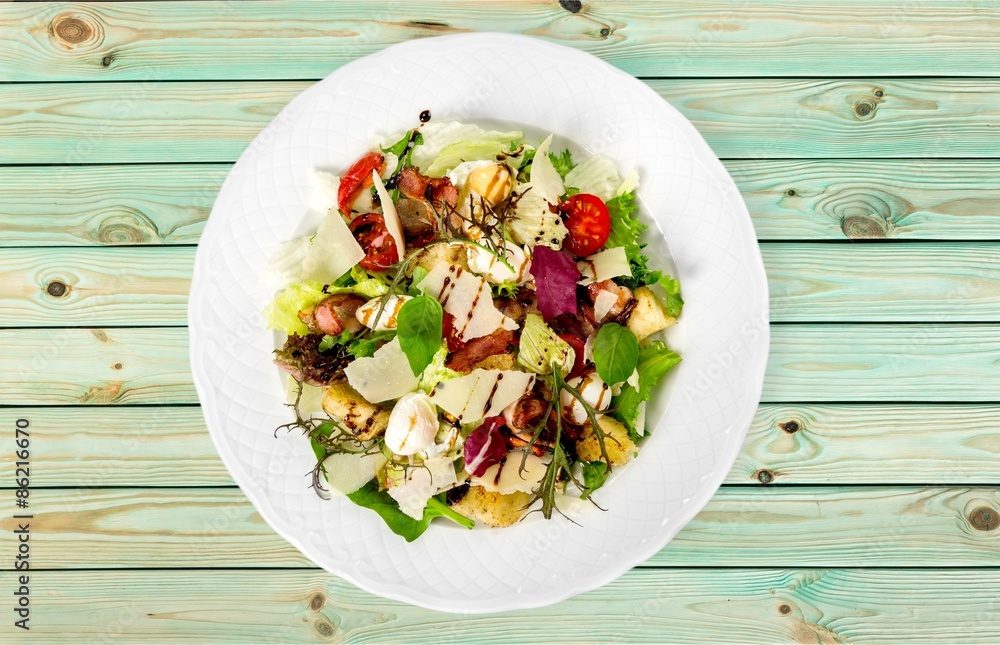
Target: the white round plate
(699, 419)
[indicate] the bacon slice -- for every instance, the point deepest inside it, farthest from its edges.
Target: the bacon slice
(414, 185)
(499, 342)
(333, 315)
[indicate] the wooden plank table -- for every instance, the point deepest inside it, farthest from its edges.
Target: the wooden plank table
(865, 138)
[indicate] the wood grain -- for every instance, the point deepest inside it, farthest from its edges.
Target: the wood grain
(153, 446)
(106, 205)
(929, 199)
(740, 526)
(912, 362)
(871, 444)
(95, 366)
(101, 123)
(95, 286)
(932, 282)
(851, 362)
(645, 605)
(935, 199)
(116, 446)
(215, 40)
(135, 286)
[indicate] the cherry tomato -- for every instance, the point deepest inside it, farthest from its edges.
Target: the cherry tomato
(357, 178)
(588, 221)
(577, 344)
(380, 249)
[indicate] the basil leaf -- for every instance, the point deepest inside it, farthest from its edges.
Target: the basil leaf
(418, 327)
(616, 353)
(595, 473)
(369, 496)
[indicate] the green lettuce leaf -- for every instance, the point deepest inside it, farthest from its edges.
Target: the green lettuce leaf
(369, 496)
(626, 230)
(283, 313)
(655, 360)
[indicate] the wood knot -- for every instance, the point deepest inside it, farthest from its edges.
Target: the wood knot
(572, 6)
(107, 60)
(76, 31)
(791, 427)
(56, 289)
(317, 601)
(117, 366)
(784, 609)
(128, 227)
(790, 192)
(864, 227)
(324, 628)
(864, 109)
(765, 476)
(984, 518)
(605, 32)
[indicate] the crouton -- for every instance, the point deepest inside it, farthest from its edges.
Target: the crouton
(366, 420)
(495, 362)
(648, 316)
(492, 509)
(620, 447)
(430, 256)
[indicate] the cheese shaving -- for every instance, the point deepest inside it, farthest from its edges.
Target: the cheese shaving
(467, 297)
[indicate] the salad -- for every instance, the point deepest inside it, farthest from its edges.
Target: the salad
(471, 332)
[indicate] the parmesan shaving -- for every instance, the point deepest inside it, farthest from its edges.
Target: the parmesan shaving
(467, 297)
(480, 394)
(609, 263)
(389, 215)
(506, 477)
(384, 376)
(603, 303)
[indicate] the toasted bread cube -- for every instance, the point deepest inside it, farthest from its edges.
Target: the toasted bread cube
(430, 256)
(366, 420)
(648, 317)
(618, 444)
(492, 509)
(496, 362)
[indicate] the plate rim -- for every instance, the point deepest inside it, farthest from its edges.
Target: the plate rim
(753, 262)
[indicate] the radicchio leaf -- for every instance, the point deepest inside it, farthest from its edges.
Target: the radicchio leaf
(555, 274)
(485, 446)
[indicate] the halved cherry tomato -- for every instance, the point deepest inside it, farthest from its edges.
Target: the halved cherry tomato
(577, 344)
(357, 178)
(588, 221)
(380, 249)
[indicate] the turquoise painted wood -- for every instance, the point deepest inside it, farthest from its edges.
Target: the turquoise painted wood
(743, 605)
(864, 504)
(218, 39)
(740, 118)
